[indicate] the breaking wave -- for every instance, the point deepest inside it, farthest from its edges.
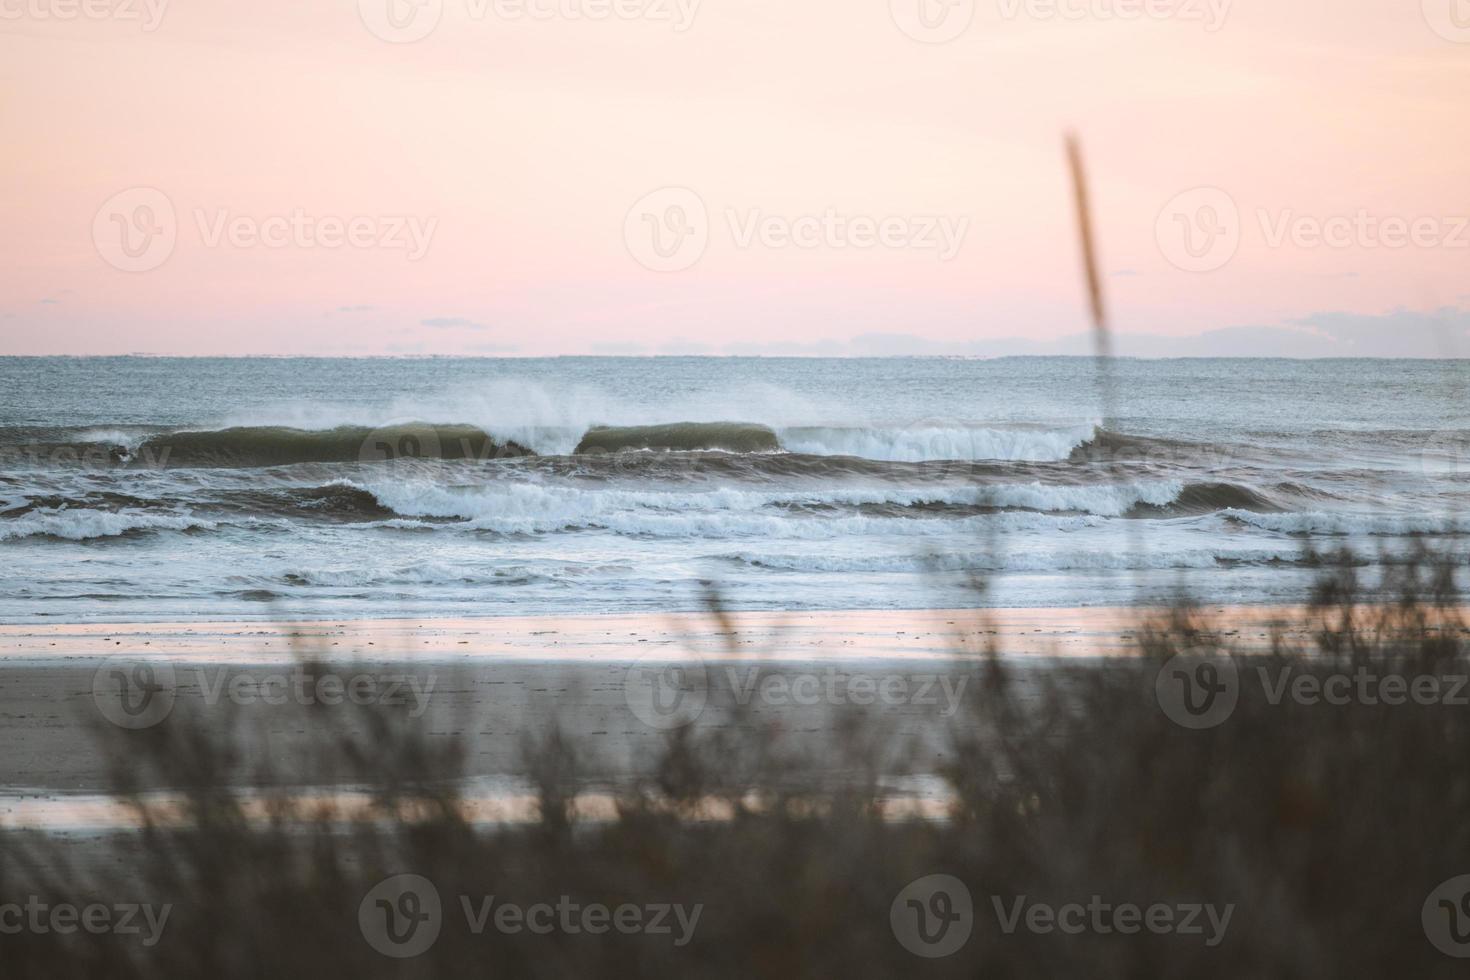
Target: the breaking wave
(258, 446)
(83, 525)
(1020, 561)
(938, 442)
(535, 508)
(734, 437)
(1206, 498)
(273, 445)
(1347, 524)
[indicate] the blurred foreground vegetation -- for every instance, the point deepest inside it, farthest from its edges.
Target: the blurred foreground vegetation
(1325, 825)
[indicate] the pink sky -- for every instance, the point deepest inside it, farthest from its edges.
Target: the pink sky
(516, 146)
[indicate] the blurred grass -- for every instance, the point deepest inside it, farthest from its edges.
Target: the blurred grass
(1326, 826)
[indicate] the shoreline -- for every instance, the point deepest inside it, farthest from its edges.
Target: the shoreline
(497, 681)
(828, 635)
(500, 684)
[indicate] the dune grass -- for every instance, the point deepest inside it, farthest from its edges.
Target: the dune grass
(1324, 827)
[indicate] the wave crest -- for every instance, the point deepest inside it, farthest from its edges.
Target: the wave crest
(273, 445)
(535, 508)
(735, 437)
(925, 442)
(84, 525)
(256, 446)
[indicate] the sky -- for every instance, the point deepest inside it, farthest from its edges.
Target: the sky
(529, 177)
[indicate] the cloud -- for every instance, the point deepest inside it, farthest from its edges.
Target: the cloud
(820, 348)
(1402, 333)
(1399, 333)
(356, 309)
(680, 346)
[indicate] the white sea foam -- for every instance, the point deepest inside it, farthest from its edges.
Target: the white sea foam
(1059, 560)
(1320, 522)
(547, 418)
(551, 420)
(419, 573)
(531, 507)
(911, 444)
(81, 525)
(127, 439)
(821, 532)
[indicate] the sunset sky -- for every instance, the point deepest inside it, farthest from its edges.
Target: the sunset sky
(730, 176)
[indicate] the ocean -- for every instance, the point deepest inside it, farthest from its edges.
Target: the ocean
(178, 489)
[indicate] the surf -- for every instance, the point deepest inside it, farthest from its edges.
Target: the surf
(263, 446)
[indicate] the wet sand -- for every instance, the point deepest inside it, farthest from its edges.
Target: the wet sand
(501, 683)
(857, 634)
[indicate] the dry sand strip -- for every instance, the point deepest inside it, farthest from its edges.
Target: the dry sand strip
(499, 683)
(496, 682)
(58, 734)
(844, 635)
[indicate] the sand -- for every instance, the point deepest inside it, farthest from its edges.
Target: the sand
(863, 634)
(500, 682)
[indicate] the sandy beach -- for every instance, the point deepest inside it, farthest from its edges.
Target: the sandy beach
(501, 682)
(861, 634)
